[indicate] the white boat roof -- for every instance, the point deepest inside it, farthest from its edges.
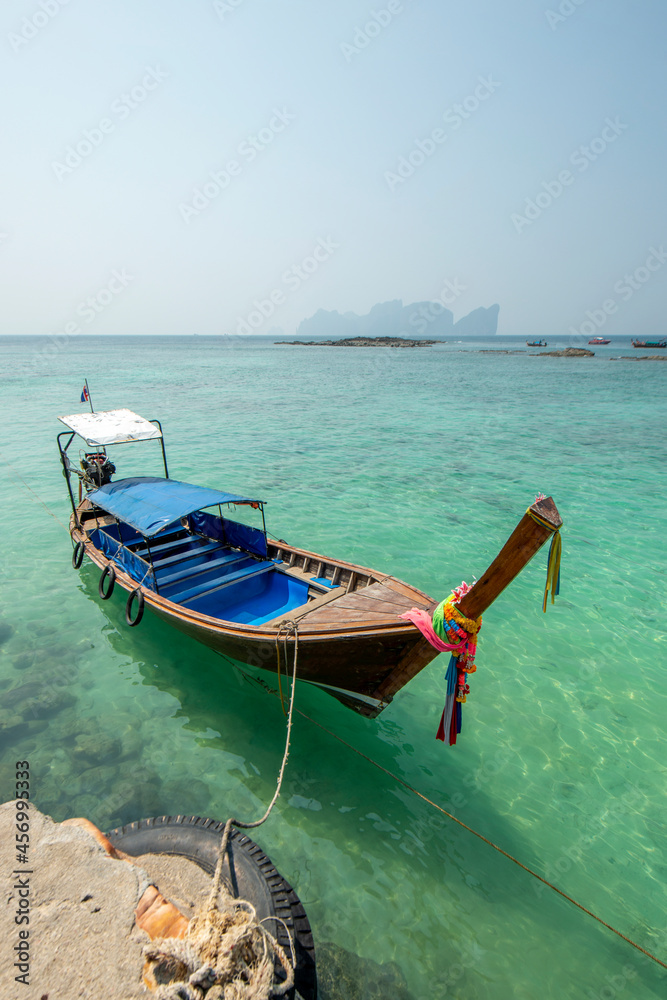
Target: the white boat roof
(111, 427)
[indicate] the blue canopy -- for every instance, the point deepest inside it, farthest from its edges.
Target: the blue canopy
(149, 504)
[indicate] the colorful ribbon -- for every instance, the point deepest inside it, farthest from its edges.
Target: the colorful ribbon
(553, 565)
(450, 631)
(553, 570)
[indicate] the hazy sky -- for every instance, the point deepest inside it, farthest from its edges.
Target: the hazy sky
(211, 167)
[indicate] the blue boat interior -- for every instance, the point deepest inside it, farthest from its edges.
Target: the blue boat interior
(209, 564)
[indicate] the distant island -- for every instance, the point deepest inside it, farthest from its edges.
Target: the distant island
(393, 319)
(362, 342)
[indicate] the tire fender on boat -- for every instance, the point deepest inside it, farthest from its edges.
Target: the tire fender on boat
(140, 608)
(109, 572)
(247, 871)
(78, 554)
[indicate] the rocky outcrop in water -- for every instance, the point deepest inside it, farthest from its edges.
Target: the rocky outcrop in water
(640, 357)
(345, 976)
(363, 342)
(568, 352)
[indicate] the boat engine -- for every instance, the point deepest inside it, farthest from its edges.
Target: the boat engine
(97, 469)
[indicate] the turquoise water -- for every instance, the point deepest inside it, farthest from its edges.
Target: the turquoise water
(418, 463)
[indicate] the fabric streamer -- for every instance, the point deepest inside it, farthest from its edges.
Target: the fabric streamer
(553, 564)
(449, 631)
(422, 620)
(553, 570)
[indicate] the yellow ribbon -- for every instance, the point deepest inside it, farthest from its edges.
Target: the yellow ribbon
(553, 566)
(553, 570)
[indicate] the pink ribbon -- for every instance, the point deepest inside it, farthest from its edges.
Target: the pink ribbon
(422, 620)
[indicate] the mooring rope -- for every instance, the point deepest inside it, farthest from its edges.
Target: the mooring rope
(465, 826)
(291, 627)
(227, 951)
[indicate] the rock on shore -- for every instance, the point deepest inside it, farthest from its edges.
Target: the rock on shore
(83, 941)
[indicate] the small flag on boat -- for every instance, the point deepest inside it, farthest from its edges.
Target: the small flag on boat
(85, 397)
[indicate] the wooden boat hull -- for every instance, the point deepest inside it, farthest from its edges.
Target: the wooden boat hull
(257, 601)
(355, 647)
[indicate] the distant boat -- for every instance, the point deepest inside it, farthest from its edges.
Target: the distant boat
(536, 343)
(649, 343)
(599, 340)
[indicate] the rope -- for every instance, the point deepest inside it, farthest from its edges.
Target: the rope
(465, 826)
(280, 683)
(227, 953)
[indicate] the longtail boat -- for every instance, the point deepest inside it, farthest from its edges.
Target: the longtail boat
(649, 343)
(173, 547)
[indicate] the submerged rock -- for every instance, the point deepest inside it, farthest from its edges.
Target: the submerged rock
(18, 695)
(98, 748)
(6, 632)
(186, 796)
(24, 660)
(49, 702)
(74, 727)
(342, 975)
(97, 781)
(10, 728)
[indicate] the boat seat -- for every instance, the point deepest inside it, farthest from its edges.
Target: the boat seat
(197, 550)
(209, 586)
(229, 557)
(173, 543)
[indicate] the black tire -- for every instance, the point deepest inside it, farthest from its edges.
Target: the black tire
(78, 554)
(140, 608)
(110, 572)
(247, 870)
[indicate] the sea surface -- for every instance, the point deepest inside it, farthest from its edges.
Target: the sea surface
(418, 463)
